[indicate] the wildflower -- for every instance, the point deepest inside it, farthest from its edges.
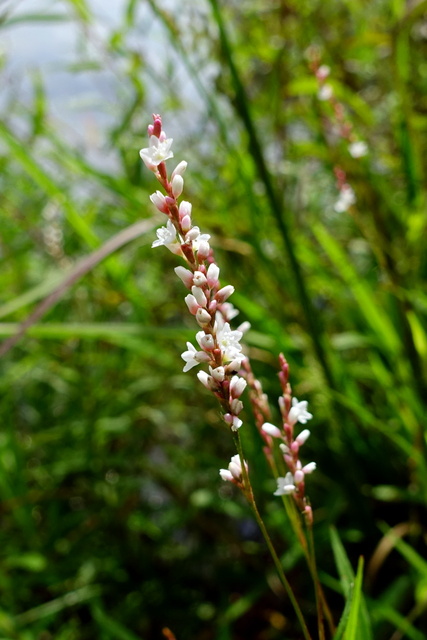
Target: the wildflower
(358, 149)
(158, 199)
(285, 486)
(167, 236)
(234, 471)
(192, 357)
(346, 198)
(228, 341)
(298, 412)
(158, 151)
(325, 92)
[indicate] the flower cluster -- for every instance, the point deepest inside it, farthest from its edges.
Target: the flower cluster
(293, 412)
(234, 472)
(218, 345)
(341, 127)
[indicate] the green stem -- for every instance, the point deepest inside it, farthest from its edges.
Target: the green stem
(251, 499)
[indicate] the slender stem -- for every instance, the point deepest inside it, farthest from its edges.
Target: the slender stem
(317, 588)
(251, 499)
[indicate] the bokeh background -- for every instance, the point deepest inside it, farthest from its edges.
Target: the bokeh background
(114, 522)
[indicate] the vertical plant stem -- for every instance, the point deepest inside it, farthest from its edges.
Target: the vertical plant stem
(251, 499)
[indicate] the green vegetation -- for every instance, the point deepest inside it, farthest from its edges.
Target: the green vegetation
(114, 520)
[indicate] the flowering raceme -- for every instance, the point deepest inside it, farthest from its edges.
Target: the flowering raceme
(219, 345)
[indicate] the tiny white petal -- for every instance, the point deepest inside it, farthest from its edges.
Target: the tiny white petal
(309, 468)
(226, 475)
(302, 437)
(358, 149)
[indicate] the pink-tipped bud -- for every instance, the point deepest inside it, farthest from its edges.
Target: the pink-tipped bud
(299, 476)
(204, 379)
(185, 275)
(237, 386)
(192, 234)
(157, 126)
(158, 199)
(184, 209)
(213, 275)
(186, 224)
(206, 341)
(309, 468)
(223, 293)
(177, 185)
(192, 304)
(199, 279)
(203, 317)
(213, 306)
(308, 515)
(199, 295)
(271, 430)
(179, 169)
(203, 251)
(302, 437)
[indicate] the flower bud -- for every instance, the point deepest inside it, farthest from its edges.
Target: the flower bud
(158, 199)
(204, 250)
(223, 293)
(302, 437)
(309, 468)
(186, 224)
(213, 275)
(298, 476)
(199, 295)
(185, 275)
(177, 185)
(184, 209)
(192, 304)
(236, 406)
(237, 386)
(271, 430)
(199, 279)
(203, 317)
(218, 374)
(206, 341)
(179, 169)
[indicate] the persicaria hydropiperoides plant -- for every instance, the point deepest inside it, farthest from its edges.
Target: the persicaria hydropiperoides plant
(228, 369)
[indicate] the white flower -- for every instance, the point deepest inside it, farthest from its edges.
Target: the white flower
(192, 357)
(309, 468)
(298, 412)
(358, 149)
(285, 485)
(179, 169)
(237, 386)
(157, 152)
(346, 198)
(325, 92)
(197, 237)
(228, 341)
(158, 199)
(165, 235)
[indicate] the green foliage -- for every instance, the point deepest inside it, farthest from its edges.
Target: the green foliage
(114, 522)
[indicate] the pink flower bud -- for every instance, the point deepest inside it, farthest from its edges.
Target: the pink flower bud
(192, 305)
(199, 279)
(192, 234)
(185, 275)
(299, 476)
(213, 275)
(206, 341)
(237, 386)
(204, 250)
(186, 224)
(203, 317)
(199, 295)
(271, 430)
(302, 437)
(158, 199)
(223, 293)
(309, 468)
(179, 169)
(177, 185)
(184, 209)
(204, 379)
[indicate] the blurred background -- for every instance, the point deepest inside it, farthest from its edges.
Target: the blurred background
(114, 521)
